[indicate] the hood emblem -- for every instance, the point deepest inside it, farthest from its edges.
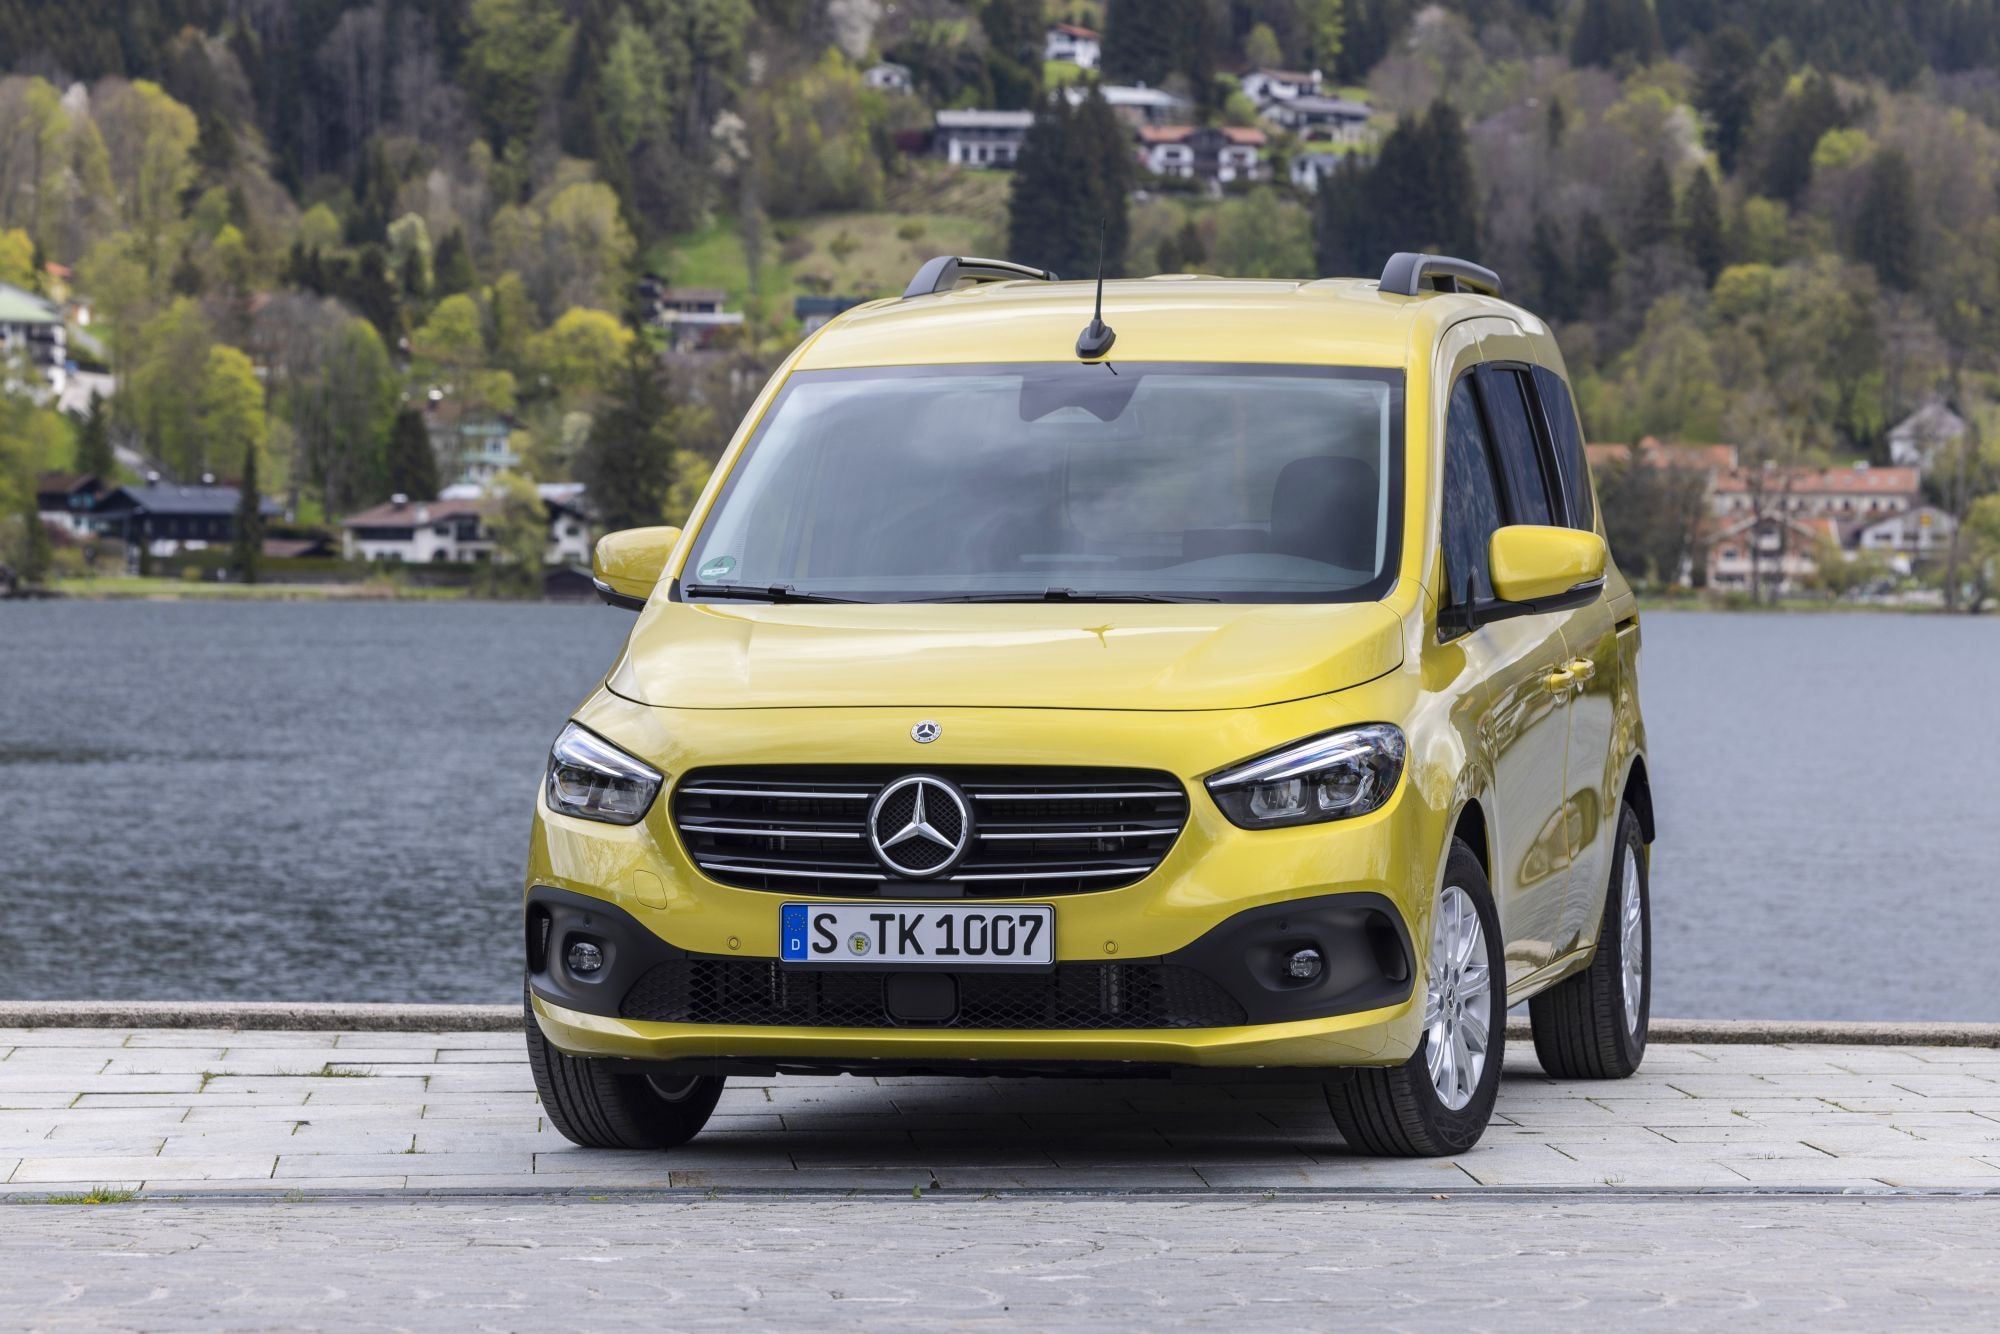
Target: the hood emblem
(925, 732)
(919, 826)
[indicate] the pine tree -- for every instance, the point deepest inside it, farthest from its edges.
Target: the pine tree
(1596, 263)
(627, 462)
(451, 268)
(1453, 224)
(1072, 179)
(1885, 229)
(1803, 120)
(1701, 225)
(1726, 91)
(411, 464)
(1653, 224)
(1616, 34)
(248, 543)
(94, 455)
(1553, 279)
(1140, 37)
(35, 541)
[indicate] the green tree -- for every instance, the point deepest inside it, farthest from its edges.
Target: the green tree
(229, 415)
(34, 544)
(1653, 223)
(579, 355)
(520, 529)
(1885, 227)
(1014, 31)
(1262, 236)
(164, 381)
(1413, 197)
(627, 462)
(17, 259)
(519, 49)
(94, 456)
(1805, 116)
(1701, 225)
(247, 542)
(411, 466)
(1615, 34)
(1070, 188)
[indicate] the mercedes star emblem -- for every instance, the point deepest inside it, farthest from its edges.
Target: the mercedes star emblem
(925, 732)
(919, 826)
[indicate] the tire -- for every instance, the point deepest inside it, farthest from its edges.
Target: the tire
(601, 1105)
(1400, 1111)
(1586, 1026)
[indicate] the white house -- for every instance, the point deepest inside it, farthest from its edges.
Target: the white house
(1846, 495)
(1915, 440)
(1265, 86)
(1072, 45)
(1314, 117)
(1136, 104)
(1310, 169)
(454, 527)
(33, 343)
(1909, 536)
(1219, 155)
(981, 138)
(888, 77)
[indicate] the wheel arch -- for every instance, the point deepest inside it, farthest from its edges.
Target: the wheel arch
(1638, 794)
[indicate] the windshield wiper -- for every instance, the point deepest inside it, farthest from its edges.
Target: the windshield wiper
(757, 593)
(1066, 595)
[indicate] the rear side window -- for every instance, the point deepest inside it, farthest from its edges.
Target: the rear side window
(1564, 433)
(1529, 496)
(1471, 500)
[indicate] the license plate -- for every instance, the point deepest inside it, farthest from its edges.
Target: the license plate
(938, 935)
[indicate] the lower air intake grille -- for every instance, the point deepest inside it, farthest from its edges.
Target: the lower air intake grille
(1075, 995)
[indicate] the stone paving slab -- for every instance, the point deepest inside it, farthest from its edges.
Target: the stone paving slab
(1464, 1260)
(263, 1111)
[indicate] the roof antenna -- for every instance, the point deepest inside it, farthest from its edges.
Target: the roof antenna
(1097, 336)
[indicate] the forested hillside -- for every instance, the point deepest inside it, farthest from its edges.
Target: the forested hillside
(1774, 223)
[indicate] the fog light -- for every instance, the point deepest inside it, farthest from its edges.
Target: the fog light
(585, 957)
(1303, 965)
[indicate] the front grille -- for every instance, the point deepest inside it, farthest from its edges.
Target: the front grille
(802, 829)
(701, 990)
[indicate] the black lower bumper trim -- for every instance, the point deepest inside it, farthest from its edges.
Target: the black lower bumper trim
(1232, 975)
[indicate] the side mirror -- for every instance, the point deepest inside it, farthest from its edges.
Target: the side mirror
(1538, 569)
(627, 564)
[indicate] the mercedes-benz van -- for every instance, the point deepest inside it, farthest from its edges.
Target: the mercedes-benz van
(1181, 677)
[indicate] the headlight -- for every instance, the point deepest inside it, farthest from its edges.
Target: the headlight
(1333, 777)
(594, 780)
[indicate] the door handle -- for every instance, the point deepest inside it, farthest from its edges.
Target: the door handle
(1583, 669)
(1559, 681)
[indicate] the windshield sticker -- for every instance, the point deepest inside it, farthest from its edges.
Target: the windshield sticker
(720, 567)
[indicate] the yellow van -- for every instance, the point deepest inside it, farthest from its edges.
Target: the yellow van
(1180, 677)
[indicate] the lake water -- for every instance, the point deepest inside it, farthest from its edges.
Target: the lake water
(328, 801)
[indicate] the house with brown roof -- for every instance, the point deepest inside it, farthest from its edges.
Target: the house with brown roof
(1846, 495)
(1781, 555)
(1217, 155)
(1073, 44)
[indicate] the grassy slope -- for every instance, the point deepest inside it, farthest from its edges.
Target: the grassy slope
(855, 254)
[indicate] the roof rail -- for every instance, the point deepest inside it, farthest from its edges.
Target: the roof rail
(1405, 272)
(943, 273)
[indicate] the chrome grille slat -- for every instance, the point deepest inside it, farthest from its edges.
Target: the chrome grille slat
(1039, 830)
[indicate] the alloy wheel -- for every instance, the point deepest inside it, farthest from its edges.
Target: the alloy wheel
(1631, 938)
(1458, 999)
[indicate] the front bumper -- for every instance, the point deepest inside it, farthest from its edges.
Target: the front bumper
(1217, 909)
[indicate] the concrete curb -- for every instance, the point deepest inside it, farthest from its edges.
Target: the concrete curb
(322, 1016)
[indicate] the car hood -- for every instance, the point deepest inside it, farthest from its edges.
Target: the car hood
(1037, 655)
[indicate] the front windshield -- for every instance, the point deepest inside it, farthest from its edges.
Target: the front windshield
(1227, 483)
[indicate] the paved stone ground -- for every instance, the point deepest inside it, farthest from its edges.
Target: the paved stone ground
(172, 1112)
(1471, 1262)
(408, 1180)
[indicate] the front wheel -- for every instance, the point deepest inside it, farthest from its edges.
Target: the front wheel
(1593, 1025)
(1439, 1101)
(601, 1104)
